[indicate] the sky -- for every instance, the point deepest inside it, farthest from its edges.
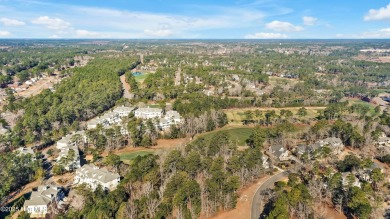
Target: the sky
(184, 19)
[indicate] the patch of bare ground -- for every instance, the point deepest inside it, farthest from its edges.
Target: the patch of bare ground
(326, 211)
(244, 202)
(162, 144)
(380, 59)
(63, 180)
(11, 117)
(37, 87)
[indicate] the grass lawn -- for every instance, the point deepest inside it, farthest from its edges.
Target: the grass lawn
(132, 155)
(141, 78)
(237, 135)
(154, 106)
(364, 103)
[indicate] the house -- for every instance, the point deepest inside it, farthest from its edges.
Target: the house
(173, 117)
(69, 164)
(26, 151)
(265, 163)
(148, 113)
(349, 178)
(163, 124)
(93, 177)
(41, 199)
(335, 144)
(383, 141)
(279, 152)
(67, 143)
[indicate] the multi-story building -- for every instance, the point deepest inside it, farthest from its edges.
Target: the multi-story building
(93, 177)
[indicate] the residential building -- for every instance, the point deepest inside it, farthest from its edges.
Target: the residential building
(67, 143)
(148, 113)
(40, 200)
(171, 118)
(110, 118)
(383, 141)
(265, 159)
(26, 151)
(349, 178)
(123, 111)
(335, 144)
(93, 177)
(279, 152)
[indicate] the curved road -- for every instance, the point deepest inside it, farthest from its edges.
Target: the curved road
(256, 202)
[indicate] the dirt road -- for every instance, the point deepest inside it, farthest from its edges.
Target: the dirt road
(126, 87)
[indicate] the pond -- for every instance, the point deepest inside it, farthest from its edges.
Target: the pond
(137, 73)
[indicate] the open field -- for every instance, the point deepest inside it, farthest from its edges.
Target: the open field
(237, 135)
(237, 115)
(364, 103)
(132, 155)
(142, 77)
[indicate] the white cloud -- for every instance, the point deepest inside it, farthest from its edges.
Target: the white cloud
(158, 33)
(91, 34)
(376, 34)
(309, 21)
(55, 36)
(51, 23)
(380, 14)
(11, 22)
(283, 26)
(4, 33)
(141, 21)
(382, 33)
(266, 36)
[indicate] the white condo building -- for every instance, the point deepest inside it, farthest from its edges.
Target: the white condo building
(93, 177)
(148, 113)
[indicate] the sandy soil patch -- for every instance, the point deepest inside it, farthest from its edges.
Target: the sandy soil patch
(38, 87)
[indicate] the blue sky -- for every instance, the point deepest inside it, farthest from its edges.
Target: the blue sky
(223, 19)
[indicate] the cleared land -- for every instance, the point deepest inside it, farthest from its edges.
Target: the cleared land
(38, 87)
(237, 135)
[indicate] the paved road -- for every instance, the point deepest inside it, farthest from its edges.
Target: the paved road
(256, 202)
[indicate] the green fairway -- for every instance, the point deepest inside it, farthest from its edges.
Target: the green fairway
(141, 78)
(237, 135)
(132, 155)
(364, 103)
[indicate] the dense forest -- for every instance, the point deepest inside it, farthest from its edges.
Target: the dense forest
(89, 91)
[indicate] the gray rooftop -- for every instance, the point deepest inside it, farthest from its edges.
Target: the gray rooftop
(93, 172)
(43, 196)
